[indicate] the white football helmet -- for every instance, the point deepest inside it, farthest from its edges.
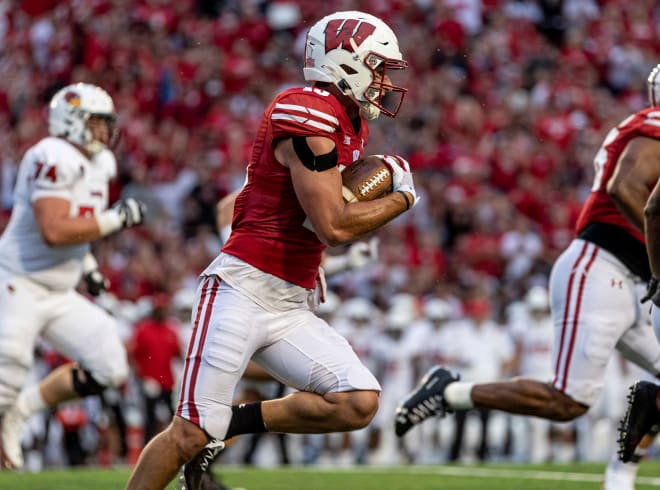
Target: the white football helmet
(653, 83)
(437, 309)
(358, 308)
(354, 51)
(537, 299)
(72, 106)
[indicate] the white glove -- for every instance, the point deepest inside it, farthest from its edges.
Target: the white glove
(402, 180)
(131, 212)
(123, 214)
(361, 254)
(358, 255)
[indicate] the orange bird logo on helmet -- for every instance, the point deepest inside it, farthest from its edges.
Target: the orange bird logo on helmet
(72, 98)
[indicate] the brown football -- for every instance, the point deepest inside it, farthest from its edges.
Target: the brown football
(366, 179)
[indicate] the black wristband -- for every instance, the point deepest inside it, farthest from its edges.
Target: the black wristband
(405, 196)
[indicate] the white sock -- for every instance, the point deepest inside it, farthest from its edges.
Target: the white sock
(617, 466)
(458, 395)
(30, 401)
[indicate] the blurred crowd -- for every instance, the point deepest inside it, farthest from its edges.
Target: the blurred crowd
(507, 105)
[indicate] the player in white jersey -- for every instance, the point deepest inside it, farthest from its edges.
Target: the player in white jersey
(60, 205)
(533, 334)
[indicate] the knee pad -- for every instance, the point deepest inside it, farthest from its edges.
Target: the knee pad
(84, 384)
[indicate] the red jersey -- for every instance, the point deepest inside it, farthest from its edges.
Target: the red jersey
(267, 228)
(599, 207)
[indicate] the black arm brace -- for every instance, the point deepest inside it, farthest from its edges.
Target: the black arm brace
(319, 163)
(84, 384)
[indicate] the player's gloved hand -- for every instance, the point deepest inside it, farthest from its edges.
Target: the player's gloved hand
(361, 254)
(123, 214)
(402, 180)
(131, 212)
(95, 282)
(358, 255)
(652, 292)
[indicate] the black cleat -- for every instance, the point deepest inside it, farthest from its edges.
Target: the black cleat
(642, 417)
(197, 475)
(425, 401)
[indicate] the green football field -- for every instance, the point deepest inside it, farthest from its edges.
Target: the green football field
(446, 477)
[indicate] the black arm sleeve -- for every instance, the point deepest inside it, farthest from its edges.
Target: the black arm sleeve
(318, 163)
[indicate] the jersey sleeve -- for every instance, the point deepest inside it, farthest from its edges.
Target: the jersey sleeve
(106, 159)
(650, 124)
(50, 173)
(303, 114)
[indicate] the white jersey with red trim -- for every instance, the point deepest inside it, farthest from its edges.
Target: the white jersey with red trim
(535, 336)
(53, 168)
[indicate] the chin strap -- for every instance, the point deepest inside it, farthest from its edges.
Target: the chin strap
(94, 147)
(369, 111)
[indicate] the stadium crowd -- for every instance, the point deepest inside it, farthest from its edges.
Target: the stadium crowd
(508, 101)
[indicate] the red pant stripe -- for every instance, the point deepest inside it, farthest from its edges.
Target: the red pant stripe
(200, 307)
(578, 303)
(197, 359)
(567, 306)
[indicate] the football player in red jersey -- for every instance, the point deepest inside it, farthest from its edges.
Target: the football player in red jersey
(643, 411)
(595, 286)
(252, 300)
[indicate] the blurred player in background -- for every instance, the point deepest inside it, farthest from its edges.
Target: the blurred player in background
(596, 286)
(60, 205)
(154, 348)
(253, 300)
(534, 333)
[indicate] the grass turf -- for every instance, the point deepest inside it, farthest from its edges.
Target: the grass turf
(445, 477)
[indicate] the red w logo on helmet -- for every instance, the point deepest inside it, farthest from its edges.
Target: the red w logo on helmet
(339, 31)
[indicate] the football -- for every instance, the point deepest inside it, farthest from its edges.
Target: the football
(366, 179)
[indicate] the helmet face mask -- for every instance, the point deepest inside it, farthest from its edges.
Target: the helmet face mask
(653, 84)
(84, 115)
(357, 52)
(382, 93)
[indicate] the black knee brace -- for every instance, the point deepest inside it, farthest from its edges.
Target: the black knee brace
(84, 384)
